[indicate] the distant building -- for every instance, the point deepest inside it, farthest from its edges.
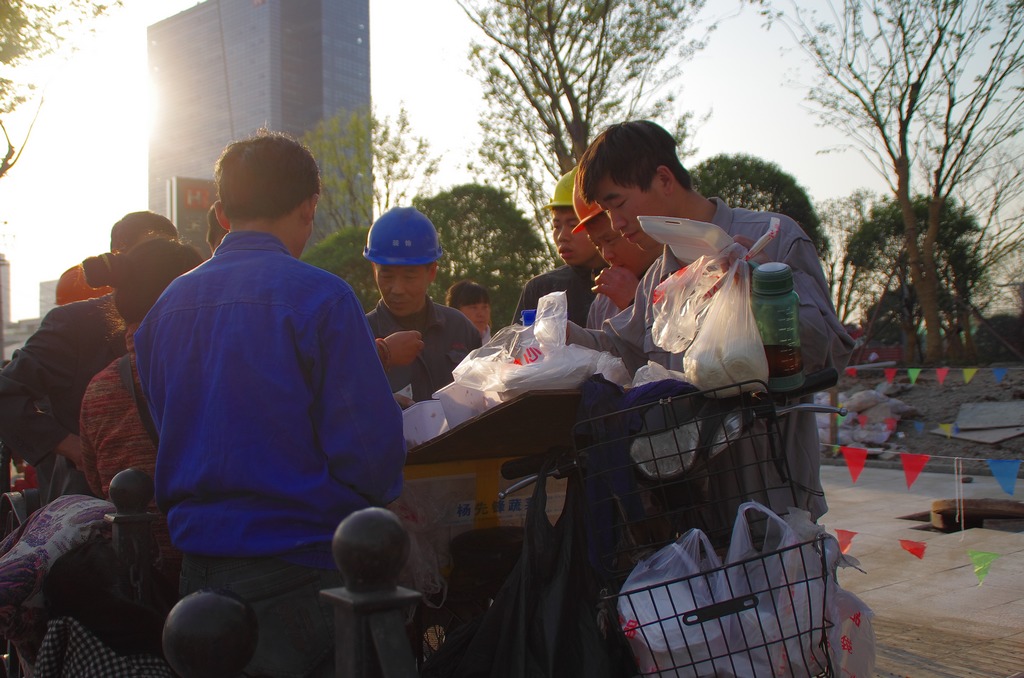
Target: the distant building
(225, 68)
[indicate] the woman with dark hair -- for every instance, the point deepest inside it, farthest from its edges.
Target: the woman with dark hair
(475, 303)
(116, 429)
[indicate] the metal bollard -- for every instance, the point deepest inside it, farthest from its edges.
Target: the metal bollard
(370, 547)
(210, 634)
(131, 490)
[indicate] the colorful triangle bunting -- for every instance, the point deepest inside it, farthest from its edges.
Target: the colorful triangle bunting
(855, 458)
(913, 373)
(845, 538)
(862, 419)
(890, 374)
(851, 371)
(947, 429)
(919, 426)
(915, 548)
(912, 465)
(982, 561)
(969, 373)
(940, 374)
(999, 373)
(890, 423)
(1005, 471)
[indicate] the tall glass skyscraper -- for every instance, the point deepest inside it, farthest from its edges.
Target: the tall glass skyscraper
(225, 68)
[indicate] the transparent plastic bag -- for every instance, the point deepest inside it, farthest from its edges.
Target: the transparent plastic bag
(680, 303)
(535, 357)
(728, 347)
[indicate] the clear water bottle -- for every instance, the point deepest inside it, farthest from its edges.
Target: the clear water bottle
(776, 310)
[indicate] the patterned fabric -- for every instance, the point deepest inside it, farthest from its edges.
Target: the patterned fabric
(27, 554)
(70, 651)
(114, 439)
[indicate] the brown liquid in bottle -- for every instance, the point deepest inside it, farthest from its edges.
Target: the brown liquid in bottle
(783, 361)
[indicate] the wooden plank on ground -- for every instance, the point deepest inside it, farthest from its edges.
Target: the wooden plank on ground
(989, 436)
(990, 415)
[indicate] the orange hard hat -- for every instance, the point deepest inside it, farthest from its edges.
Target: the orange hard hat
(72, 287)
(584, 211)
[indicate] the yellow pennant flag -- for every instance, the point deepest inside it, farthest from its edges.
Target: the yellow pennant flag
(982, 561)
(947, 429)
(969, 373)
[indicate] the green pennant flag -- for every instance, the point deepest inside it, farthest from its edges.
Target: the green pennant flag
(982, 562)
(913, 373)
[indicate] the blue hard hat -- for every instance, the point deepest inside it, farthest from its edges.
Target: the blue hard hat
(402, 236)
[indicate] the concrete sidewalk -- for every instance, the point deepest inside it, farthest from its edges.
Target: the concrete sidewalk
(931, 616)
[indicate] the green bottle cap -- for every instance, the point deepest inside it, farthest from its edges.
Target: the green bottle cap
(773, 278)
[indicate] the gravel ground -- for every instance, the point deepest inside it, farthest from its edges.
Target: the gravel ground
(936, 404)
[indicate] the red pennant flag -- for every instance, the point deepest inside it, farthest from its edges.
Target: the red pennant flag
(912, 465)
(851, 371)
(914, 548)
(890, 374)
(862, 419)
(940, 374)
(890, 423)
(845, 537)
(855, 458)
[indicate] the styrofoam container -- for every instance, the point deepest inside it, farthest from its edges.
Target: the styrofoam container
(423, 421)
(462, 403)
(687, 238)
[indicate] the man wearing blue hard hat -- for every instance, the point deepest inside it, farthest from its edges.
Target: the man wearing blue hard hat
(403, 247)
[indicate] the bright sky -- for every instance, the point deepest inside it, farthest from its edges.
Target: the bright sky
(86, 162)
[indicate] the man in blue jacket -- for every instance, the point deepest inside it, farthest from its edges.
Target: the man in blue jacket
(273, 411)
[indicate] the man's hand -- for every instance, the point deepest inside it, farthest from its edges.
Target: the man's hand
(618, 284)
(71, 449)
(403, 347)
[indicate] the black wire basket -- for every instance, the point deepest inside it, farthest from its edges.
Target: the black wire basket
(763, 616)
(653, 471)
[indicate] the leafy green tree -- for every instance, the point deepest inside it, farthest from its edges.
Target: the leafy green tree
(30, 31)
(930, 94)
(341, 253)
(755, 184)
(367, 166)
(555, 72)
(852, 285)
(487, 239)
(964, 279)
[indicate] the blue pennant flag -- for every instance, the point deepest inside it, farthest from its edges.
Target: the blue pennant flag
(1005, 471)
(919, 426)
(999, 373)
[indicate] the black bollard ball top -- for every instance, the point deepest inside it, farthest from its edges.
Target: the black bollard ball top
(210, 634)
(131, 490)
(370, 547)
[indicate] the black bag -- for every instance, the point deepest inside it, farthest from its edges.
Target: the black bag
(543, 622)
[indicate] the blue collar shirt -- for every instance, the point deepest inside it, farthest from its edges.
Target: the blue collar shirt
(274, 413)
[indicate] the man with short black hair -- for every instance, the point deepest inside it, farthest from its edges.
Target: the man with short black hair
(274, 415)
(631, 169)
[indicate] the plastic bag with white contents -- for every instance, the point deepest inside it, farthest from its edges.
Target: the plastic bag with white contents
(728, 348)
(782, 634)
(656, 605)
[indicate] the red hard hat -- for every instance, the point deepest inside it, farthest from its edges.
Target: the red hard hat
(584, 211)
(72, 287)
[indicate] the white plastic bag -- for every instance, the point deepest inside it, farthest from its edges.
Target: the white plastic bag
(782, 633)
(852, 638)
(658, 596)
(534, 357)
(680, 303)
(728, 348)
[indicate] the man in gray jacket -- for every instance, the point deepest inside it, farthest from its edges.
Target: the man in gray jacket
(632, 169)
